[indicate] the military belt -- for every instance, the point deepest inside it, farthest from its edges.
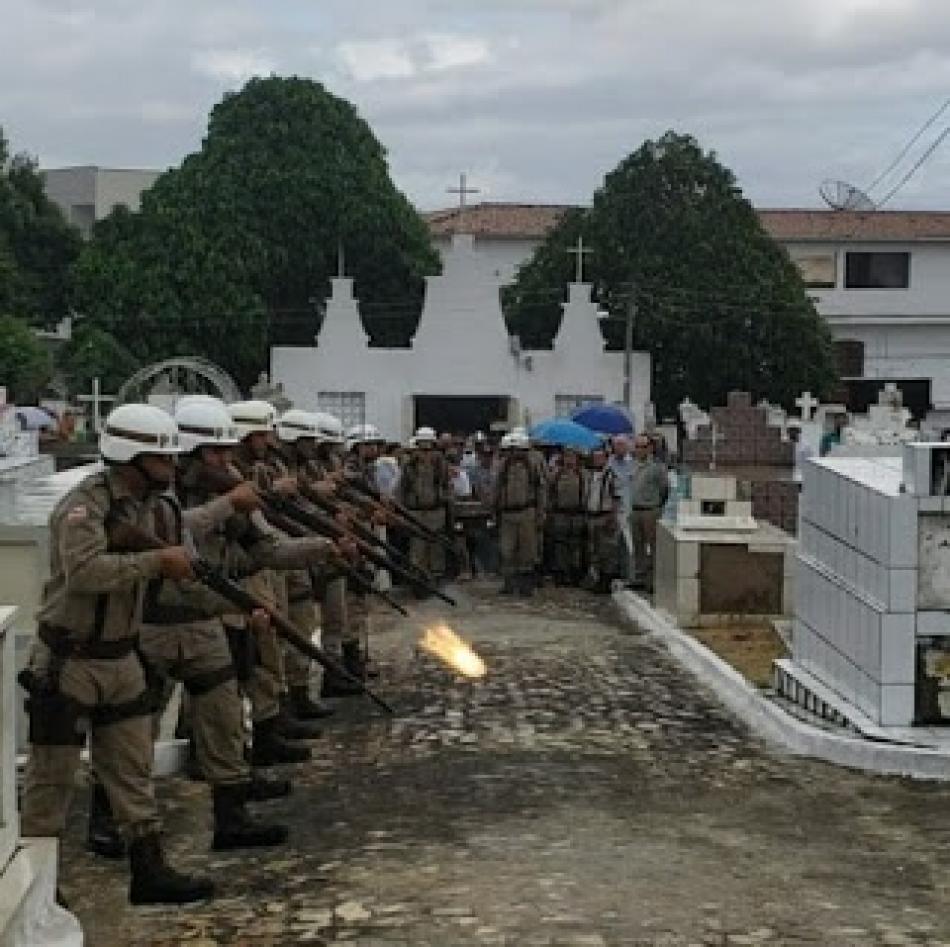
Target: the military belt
(156, 614)
(57, 640)
(518, 509)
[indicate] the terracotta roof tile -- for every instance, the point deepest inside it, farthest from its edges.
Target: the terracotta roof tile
(533, 221)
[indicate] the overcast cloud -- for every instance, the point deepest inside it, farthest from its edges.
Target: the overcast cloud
(535, 99)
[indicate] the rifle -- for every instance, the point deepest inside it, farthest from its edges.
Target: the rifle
(325, 525)
(126, 537)
(390, 505)
(289, 526)
(220, 481)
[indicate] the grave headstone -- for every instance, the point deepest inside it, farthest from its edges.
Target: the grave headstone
(715, 563)
(739, 440)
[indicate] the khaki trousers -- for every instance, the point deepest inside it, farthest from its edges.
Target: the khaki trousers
(334, 628)
(298, 666)
(643, 530)
(120, 753)
(518, 540)
(426, 555)
(266, 683)
(186, 654)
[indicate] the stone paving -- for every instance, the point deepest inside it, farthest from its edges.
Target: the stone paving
(587, 792)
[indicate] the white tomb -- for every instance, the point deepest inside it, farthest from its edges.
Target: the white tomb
(872, 612)
(715, 563)
(29, 914)
(885, 427)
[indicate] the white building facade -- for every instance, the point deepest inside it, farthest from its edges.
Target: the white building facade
(463, 371)
(88, 193)
(881, 279)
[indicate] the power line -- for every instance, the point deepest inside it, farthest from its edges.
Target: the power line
(903, 152)
(916, 167)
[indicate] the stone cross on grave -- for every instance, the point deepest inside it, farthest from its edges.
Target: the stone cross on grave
(806, 405)
(463, 190)
(340, 260)
(579, 251)
(96, 399)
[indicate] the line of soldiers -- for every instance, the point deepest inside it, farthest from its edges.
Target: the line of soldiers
(562, 523)
(128, 611)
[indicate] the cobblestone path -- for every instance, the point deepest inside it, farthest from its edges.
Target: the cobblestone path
(587, 792)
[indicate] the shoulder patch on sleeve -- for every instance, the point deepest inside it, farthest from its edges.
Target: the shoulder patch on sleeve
(78, 513)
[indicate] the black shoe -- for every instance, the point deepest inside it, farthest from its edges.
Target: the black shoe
(103, 837)
(335, 685)
(155, 882)
(290, 728)
(263, 787)
(269, 748)
(508, 586)
(303, 708)
(234, 828)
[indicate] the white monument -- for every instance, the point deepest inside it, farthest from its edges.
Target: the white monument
(872, 614)
(715, 563)
(29, 914)
(885, 427)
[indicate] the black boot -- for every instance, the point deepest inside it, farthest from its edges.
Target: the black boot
(290, 728)
(155, 882)
(234, 828)
(193, 768)
(103, 837)
(353, 661)
(335, 685)
(303, 708)
(526, 585)
(263, 787)
(269, 748)
(508, 586)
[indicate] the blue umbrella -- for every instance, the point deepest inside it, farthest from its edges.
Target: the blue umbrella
(562, 432)
(34, 419)
(604, 418)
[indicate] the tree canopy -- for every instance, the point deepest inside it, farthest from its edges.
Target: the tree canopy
(235, 249)
(719, 304)
(94, 353)
(25, 365)
(37, 245)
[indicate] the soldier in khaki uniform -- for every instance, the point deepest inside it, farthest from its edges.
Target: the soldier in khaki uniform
(603, 529)
(566, 519)
(273, 728)
(519, 503)
(84, 666)
(424, 490)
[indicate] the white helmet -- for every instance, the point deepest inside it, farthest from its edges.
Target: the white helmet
(363, 434)
(516, 440)
(331, 428)
(296, 423)
(251, 417)
(424, 435)
(135, 429)
(204, 420)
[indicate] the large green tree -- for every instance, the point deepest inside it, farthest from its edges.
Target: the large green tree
(718, 303)
(25, 365)
(94, 353)
(236, 248)
(37, 246)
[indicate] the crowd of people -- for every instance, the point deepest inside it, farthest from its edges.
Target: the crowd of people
(214, 547)
(528, 511)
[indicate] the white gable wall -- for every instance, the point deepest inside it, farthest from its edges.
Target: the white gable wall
(461, 348)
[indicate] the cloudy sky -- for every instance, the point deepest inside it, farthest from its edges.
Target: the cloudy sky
(535, 99)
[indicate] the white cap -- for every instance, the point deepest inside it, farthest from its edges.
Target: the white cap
(331, 428)
(364, 434)
(422, 436)
(135, 429)
(204, 420)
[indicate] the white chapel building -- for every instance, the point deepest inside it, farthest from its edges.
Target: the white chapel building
(463, 371)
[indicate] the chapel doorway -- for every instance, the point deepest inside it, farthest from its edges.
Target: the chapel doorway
(460, 414)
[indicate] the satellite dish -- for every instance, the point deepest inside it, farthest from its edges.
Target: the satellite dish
(839, 195)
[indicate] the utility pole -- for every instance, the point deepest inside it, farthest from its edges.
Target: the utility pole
(628, 349)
